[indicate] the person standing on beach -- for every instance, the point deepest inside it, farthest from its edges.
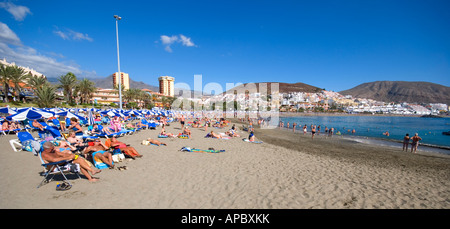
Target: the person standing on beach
(182, 122)
(293, 126)
(415, 142)
(330, 132)
(304, 129)
(313, 131)
(406, 142)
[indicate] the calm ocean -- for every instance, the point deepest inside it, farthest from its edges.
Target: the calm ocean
(429, 129)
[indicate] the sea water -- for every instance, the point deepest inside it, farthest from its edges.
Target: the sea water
(373, 127)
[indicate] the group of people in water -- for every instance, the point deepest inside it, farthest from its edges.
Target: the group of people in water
(315, 129)
(330, 131)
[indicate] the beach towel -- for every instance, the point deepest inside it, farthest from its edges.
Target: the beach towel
(146, 143)
(99, 163)
(211, 150)
(183, 136)
(246, 140)
(163, 136)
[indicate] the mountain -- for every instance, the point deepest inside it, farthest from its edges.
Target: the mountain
(401, 91)
(282, 87)
(107, 82)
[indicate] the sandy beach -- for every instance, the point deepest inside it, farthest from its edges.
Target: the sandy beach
(287, 171)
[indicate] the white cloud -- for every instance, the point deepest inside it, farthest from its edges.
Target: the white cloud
(13, 50)
(168, 41)
(69, 34)
(8, 36)
(186, 41)
(19, 12)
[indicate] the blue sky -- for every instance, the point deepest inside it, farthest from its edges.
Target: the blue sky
(334, 45)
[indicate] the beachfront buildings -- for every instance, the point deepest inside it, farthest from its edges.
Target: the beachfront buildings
(108, 96)
(27, 70)
(166, 86)
(124, 79)
(324, 101)
(25, 92)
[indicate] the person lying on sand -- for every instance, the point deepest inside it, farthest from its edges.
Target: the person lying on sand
(52, 154)
(163, 133)
(156, 142)
(126, 149)
(232, 133)
(214, 135)
(99, 150)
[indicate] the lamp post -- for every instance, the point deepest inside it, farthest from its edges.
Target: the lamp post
(118, 60)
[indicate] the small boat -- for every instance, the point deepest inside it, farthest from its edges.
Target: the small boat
(446, 133)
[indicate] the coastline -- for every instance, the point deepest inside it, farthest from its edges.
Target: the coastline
(342, 148)
(431, 147)
(294, 114)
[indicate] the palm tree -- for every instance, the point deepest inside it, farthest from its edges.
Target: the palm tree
(36, 82)
(86, 88)
(5, 77)
(134, 95)
(18, 77)
(68, 83)
(146, 98)
(46, 96)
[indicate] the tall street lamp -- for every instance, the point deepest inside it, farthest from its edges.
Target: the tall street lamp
(118, 60)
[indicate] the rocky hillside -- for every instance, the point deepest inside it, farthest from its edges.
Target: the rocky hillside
(283, 87)
(401, 91)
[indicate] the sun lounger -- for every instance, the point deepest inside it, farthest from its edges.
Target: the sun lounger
(58, 168)
(24, 141)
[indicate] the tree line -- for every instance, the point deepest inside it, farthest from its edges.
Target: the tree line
(14, 80)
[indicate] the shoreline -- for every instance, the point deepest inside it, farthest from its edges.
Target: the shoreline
(299, 114)
(442, 149)
(388, 145)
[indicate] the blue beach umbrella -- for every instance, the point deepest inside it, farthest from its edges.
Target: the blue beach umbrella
(7, 110)
(31, 114)
(90, 118)
(69, 114)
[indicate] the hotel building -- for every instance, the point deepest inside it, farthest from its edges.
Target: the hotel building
(166, 85)
(125, 79)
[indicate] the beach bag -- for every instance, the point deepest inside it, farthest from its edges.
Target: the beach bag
(26, 145)
(118, 157)
(186, 149)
